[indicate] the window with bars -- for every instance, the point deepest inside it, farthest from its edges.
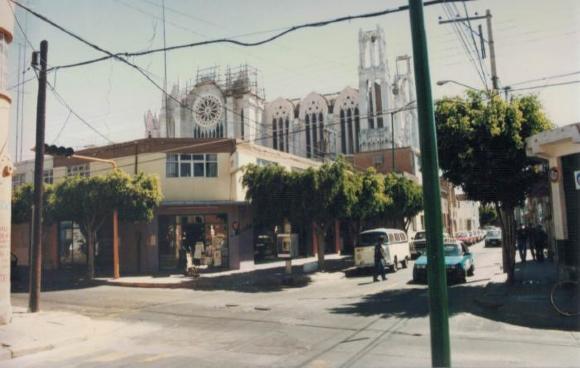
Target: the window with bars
(80, 170)
(18, 180)
(47, 176)
(186, 165)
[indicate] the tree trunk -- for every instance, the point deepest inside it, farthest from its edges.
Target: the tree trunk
(507, 220)
(321, 235)
(91, 236)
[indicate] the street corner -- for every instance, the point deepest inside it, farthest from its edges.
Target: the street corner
(495, 293)
(30, 333)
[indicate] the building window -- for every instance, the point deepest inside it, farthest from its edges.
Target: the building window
(18, 180)
(79, 170)
(378, 161)
(262, 162)
(47, 176)
(187, 165)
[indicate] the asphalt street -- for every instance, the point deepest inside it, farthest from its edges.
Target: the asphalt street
(335, 320)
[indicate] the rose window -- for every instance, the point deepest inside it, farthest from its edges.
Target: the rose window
(207, 111)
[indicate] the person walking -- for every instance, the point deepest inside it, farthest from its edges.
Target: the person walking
(540, 241)
(522, 243)
(530, 234)
(379, 261)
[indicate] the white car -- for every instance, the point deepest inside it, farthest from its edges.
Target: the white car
(395, 244)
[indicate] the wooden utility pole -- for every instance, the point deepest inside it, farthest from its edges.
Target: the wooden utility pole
(36, 251)
(490, 42)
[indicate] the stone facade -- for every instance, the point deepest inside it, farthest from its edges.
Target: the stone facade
(230, 105)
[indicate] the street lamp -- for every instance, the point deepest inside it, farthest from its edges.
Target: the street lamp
(446, 81)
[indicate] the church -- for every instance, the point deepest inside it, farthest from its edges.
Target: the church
(380, 114)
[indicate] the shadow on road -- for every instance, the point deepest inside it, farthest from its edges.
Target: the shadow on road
(519, 306)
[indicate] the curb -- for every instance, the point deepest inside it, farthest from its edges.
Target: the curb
(8, 353)
(148, 285)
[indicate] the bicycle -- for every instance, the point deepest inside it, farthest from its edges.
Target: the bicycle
(565, 296)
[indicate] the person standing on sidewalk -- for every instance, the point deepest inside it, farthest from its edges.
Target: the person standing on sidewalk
(379, 261)
(522, 243)
(540, 241)
(530, 235)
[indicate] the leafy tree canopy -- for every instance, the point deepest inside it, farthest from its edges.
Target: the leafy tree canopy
(406, 200)
(481, 142)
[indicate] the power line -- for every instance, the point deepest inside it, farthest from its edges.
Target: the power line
(546, 85)
(223, 40)
(67, 106)
(464, 43)
(546, 78)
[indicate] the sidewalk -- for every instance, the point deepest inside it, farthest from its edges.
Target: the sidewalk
(30, 333)
(262, 275)
(527, 301)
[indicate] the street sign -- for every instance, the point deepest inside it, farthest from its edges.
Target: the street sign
(577, 179)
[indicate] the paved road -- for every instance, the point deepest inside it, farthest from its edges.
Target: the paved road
(334, 321)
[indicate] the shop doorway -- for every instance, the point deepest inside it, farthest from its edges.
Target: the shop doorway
(204, 236)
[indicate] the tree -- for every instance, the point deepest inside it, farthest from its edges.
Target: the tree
(267, 188)
(406, 200)
(371, 200)
(90, 202)
(482, 149)
(487, 215)
(329, 193)
(22, 203)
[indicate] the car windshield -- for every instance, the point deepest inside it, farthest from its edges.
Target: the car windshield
(370, 239)
(494, 233)
(420, 235)
(452, 250)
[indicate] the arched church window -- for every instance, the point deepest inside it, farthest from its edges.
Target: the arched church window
(274, 134)
(308, 143)
(342, 132)
(356, 129)
(287, 134)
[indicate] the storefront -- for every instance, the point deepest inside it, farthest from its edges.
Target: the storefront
(205, 236)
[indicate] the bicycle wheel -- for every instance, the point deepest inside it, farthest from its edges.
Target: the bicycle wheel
(565, 298)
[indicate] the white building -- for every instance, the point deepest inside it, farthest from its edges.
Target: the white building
(6, 26)
(230, 105)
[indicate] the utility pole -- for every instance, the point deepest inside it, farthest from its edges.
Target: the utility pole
(494, 77)
(36, 261)
(436, 273)
(490, 42)
(393, 140)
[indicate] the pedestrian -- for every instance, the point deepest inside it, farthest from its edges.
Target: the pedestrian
(530, 234)
(540, 239)
(379, 261)
(522, 243)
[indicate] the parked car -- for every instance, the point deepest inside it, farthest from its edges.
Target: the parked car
(493, 238)
(419, 243)
(464, 237)
(13, 268)
(395, 244)
(458, 263)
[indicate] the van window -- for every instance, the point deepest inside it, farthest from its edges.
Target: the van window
(391, 238)
(397, 237)
(370, 239)
(404, 237)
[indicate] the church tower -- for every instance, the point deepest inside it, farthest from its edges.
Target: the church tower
(373, 74)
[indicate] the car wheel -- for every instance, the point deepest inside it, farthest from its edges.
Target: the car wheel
(395, 265)
(471, 270)
(463, 277)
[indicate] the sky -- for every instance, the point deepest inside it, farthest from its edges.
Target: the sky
(534, 39)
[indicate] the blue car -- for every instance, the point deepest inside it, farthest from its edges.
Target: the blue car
(458, 263)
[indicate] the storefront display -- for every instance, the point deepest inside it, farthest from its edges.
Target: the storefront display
(203, 236)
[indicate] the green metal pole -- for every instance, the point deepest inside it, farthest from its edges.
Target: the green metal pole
(438, 316)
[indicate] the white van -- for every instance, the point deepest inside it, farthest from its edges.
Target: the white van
(395, 244)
